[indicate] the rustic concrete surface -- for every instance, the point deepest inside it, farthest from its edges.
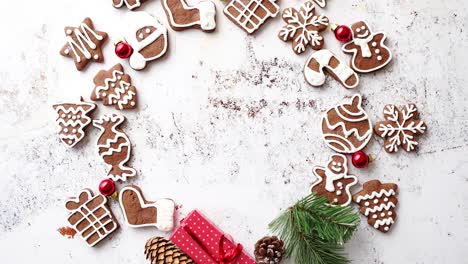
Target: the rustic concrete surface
(226, 124)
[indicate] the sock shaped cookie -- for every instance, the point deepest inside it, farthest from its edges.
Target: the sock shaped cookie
(325, 60)
(139, 212)
(131, 4)
(114, 147)
(182, 16)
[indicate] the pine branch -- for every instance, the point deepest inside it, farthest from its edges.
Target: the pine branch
(314, 232)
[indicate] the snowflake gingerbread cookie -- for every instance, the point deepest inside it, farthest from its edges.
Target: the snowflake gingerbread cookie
(346, 128)
(333, 181)
(250, 15)
(72, 118)
(400, 127)
(303, 27)
(182, 16)
(114, 147)
(90, 216)
(84, 44)
(377, 202)
(138, 212)
(368, 49)
(114, 87)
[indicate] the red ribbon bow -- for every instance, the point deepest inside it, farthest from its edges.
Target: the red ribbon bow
(224, 257)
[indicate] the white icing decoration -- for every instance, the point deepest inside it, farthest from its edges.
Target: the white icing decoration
(377, 51)
(379, 58)
(206, 11)
(114, 137)
(386, 228)
(98, 226)
(129, 6)
(83, 38)
(121, 96)
(374, 216)
(379, 208)
(321, 3)
(343, 72)
(165, 208)
(245, 12)
(96, 57)
(374, 194)
(374, 44)
(376, 201)
(338, 192)
(386, 221)
(366, 203)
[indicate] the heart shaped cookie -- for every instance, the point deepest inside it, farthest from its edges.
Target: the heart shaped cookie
(139, 212)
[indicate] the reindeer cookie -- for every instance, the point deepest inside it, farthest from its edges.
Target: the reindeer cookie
(182, 16)
(333, 181)
(114, 147)
(368, 49)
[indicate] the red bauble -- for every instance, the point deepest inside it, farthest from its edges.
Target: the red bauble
(123, 50)
(360, 159)
(343, 33)
(107, 187)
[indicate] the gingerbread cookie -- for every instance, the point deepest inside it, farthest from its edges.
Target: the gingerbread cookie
(378, 202)
(333, 181)
(114, 147)
(90, 216)
(72, 118)
(139, 212)
(114, 87)
(147, 37)
(325, 60)
(250, 15)
(182, 16)
(303, 27)
(346, 128)
(84, 44)
(400, 127)
(368, 49)
(131, 4)
(321, 3)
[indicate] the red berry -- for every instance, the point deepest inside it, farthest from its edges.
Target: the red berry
(107, 187)
(123, 50)
(343, 33)
(360, 159)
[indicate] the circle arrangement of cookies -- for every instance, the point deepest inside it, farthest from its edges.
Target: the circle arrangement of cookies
(313, 230)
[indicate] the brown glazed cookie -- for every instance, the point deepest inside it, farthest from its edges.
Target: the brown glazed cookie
(250, 15)
(90, 216)
(114, 87)
(368, 49)
(346, 128)
(114, 147)
(378, 202)
(334, 181)
(303, 27)
(182, 16)
(84, 44)
(325, 60)
(400, 127)
(147, 37)
(138, 212)
(72, 118)
(131, 4)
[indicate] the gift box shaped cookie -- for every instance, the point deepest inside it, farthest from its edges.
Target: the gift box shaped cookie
(205, 243)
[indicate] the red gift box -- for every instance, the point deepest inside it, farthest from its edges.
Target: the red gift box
(205, 244)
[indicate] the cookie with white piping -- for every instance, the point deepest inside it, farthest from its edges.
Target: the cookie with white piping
(182, 16)
(130, 4)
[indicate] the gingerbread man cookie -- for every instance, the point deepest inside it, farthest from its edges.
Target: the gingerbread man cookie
(114, 147)
(114, 87)
(139, 212)
(90, 216)
(131, 4)
(368, 49)
(84, 44)
(400, 127)
(250, 15)
(72, 118)
(325, 60)
(333, 181)
(303, 27)
(378, 201)
(346, 128)
(182, 16)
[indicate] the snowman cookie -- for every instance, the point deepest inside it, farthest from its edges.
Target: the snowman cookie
(368, 49)
(333, 181)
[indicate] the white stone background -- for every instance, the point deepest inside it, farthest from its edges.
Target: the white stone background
(226, 124)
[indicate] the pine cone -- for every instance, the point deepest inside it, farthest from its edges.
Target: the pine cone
(162, 251)
(269, 250)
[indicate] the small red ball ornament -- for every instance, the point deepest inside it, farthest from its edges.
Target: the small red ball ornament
(107, 187)
(342, 33)
(360, 159)
(123, 50)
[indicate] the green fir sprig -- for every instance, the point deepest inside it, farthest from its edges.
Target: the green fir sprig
(314, 232)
